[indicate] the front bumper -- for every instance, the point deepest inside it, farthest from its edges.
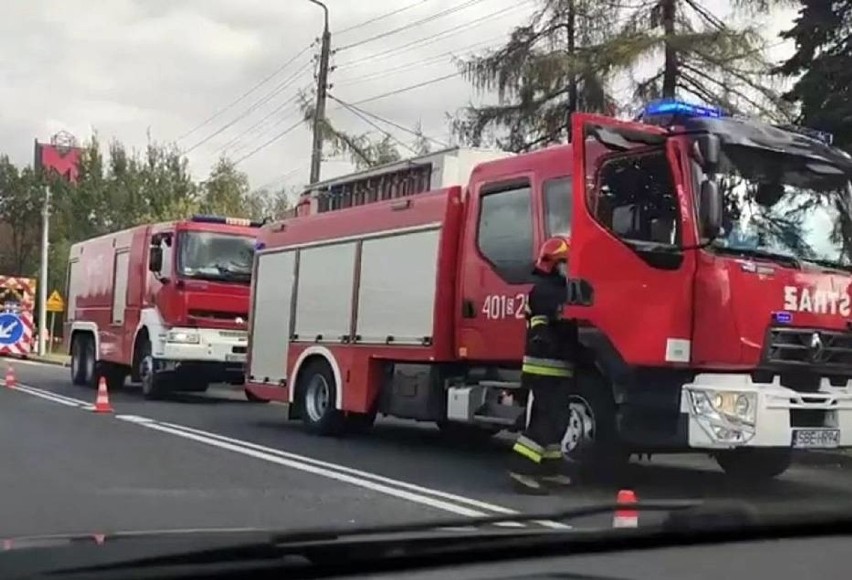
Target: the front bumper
(202, 345)
(725, 411)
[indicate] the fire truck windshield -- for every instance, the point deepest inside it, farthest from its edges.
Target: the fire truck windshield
(785, 206)
(215, 256)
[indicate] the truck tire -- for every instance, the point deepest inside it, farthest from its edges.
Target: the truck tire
(591, 439)
(82, 360)
(751, 465)
(154, 385)
(317, 393)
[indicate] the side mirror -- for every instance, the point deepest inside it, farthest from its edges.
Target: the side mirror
(710, 209)
(155, 259)
(709, 147)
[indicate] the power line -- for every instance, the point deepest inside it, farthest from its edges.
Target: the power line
(388, 121)
(382, 17)
(247, 93)
(266, 131)
(269, 115)
(276, 91)
(462, 51)
(419, 42)
(374, 126)
(406, 89)
(269, 142)
(412, 24)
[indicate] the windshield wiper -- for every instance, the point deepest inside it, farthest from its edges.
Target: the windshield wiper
(754, 253)
(315, 548)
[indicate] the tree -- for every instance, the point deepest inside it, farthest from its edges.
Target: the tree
(21, 202)
(823, 65)
(364, 150)
(547, 70)
(226, 191)
(702, 56)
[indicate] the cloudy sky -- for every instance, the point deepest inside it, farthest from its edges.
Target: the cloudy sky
(128, 67)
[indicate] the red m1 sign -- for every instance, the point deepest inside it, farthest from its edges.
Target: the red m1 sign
(61, 155)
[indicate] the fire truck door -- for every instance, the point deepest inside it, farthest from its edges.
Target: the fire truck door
(631, 281)
(501, 236)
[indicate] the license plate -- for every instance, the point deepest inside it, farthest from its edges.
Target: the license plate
(241, 357)
(816, 438)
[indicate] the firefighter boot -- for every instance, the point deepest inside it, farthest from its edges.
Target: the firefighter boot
(556, 472)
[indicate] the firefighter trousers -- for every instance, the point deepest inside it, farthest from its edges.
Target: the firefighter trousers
(538, 449)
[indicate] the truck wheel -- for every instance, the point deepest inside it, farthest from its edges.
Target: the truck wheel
(752, 465)
(318, 391)
(154, 385)
(465, 432)
(591, 438)
(79, 362)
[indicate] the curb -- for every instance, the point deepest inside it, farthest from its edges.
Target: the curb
(46, 361)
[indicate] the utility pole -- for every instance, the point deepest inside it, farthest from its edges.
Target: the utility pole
(42, 283)
(322, 86)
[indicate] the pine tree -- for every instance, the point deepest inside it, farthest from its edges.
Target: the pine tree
(823, 64)
(703, 57)
(548, 69)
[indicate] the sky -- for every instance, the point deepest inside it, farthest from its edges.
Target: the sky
(176, 70)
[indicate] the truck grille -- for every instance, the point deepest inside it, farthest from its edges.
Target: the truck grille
(828, 350)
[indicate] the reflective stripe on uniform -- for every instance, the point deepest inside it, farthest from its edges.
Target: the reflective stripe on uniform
(547, 371)
(537, 321)
(547, 367)
(548, 362)
(529, 449)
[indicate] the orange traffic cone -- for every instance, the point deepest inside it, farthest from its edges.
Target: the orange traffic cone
(102, 402)
(626, 517)
(10, 376)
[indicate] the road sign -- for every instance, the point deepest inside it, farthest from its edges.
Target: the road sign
(11, 328)
(55, 303)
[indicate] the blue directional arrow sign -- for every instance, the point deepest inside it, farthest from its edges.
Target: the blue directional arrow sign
(11, 328)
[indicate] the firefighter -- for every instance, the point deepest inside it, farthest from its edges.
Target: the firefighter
(537, 462)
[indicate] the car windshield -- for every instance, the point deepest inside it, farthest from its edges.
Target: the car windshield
(778, 204)
(216, 256)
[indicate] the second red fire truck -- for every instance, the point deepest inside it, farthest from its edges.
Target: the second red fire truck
(166, 304)
(710, 269)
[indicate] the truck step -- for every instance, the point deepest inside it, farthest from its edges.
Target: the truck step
(488, 420)
(500, 384)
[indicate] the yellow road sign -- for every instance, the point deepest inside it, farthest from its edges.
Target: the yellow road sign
(55, 303)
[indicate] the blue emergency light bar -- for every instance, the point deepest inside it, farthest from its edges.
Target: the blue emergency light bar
(676, 108)
(231, 221)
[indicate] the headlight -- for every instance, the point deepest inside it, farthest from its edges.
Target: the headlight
(183, 337)
(735, 406)
(727, 416)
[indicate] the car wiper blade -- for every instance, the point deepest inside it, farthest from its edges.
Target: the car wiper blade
(749, 252)
(551, 516)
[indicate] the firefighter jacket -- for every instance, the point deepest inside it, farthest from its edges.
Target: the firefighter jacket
(552, 343)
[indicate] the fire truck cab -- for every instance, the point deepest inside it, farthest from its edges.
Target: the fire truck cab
(166, 304)
(710, 271)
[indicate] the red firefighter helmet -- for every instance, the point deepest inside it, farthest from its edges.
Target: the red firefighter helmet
(551, 253)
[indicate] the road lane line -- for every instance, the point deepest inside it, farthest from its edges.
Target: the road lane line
(367, 475)
(45, 395)
(301, 466)
(445, 501)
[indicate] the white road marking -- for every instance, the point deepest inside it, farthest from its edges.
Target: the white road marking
(434, 498)
(45, 395)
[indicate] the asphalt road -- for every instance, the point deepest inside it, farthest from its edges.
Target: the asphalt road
(217, 460)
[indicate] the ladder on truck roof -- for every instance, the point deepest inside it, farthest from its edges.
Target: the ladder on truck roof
(394, 180)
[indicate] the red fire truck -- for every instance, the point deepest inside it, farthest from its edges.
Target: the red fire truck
(166, 304)
(710, 271)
